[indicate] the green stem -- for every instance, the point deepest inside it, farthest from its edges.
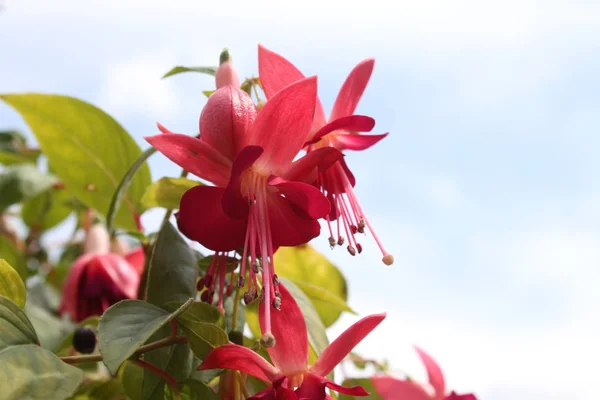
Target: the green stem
(121, 190)
(236, 304)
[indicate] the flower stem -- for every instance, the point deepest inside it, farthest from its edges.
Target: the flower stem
(168, 341)
(236, 304)
(163, 374)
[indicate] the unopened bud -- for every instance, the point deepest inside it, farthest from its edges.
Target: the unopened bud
(351, 250)
(224, 56)
(267, 340)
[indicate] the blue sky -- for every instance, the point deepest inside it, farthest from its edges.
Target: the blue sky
(485, 191)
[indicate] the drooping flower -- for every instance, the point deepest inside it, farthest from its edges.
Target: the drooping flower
(390, 388)
(98, 278)
(259, 201)
(290, 375)
(338, 181)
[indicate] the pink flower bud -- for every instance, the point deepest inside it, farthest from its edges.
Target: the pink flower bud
(96, 240)
(227, 75)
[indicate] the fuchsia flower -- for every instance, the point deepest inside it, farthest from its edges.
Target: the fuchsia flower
(290, 376)
(98, 278)
(258, 202)
(337, 182)
(390, 388)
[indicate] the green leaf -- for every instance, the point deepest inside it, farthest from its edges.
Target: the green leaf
(21, 182)
(64, 348)
(47, 209)
(207, 93)
(35, 373)
(173, 271)
(111, 389)
(11, 284)
(122, 187)
(366, 383)
(132, 379)
(167, 192)
(197, 390)
(179, 69)
(87, 149)
(13, 141)
(15, 327)
(126, 326)
(231, 262)
(198, 323)
(26, 157)
(312, 271)
(13, 256)
(177, 361)
(48, 327)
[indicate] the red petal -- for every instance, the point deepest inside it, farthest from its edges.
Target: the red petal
(276, 73)
(306, 197)
(290, 353)
(305, 169)
(352, 391)
(226, 75)
(455, 396)
(201, 218)
(343, 345)
(162, 128)
(234, 203)
(226, 119)
(312, 388)
(334, 179)
(239, 358)
(70, 288)
(352, 89)
(351, 141)
(193, 155)
(391, 388)
(436, 377)
(137, 259)
(283, 124)
(289, 228)
(353, 123)
(122, 275)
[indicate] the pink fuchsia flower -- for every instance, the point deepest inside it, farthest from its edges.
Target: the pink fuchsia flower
(337, 182)
(98, 279)
(290, 375)
(259, 201)
(390, 388)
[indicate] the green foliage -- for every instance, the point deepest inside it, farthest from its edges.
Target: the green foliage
(13, 256)
(167, 192)
(47, 209)
(173, 271)
(126, 326)
(32, 372)
(87, 149)
(15, 327)
(21, 182)
(318, 278)
(11, 284)
(13, 150)
(180, 69)
(197, 390)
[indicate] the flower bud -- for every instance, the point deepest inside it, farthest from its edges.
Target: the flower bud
(97, 240)
(226, 73)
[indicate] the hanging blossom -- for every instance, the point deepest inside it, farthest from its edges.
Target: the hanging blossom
(390, 388)
(100, 277)
(337, 182)
(290, 377)
(258, 201)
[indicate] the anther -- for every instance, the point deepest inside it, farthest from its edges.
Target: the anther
(200, 284)
(277, 303)
(361, 226)
(351, 250)
(256, 266)
(353, 229)
(207, 280)
(267, 340)
(275, 280)
(211, 296)
(332, 242)
(359, 248)
(204, 296)
(241, 282)
(388, 259)
(340, 241)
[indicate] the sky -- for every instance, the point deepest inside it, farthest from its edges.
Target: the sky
(485, 190)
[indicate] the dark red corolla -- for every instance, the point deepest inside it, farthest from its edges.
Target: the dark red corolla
(98, 279)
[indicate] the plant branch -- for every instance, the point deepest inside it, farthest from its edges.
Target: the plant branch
(168, 341)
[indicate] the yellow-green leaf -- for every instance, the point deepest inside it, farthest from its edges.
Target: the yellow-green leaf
(47, 209)
(324, 283)
(11, 284)
(87, 149)
(13, 256)
(167, 192)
